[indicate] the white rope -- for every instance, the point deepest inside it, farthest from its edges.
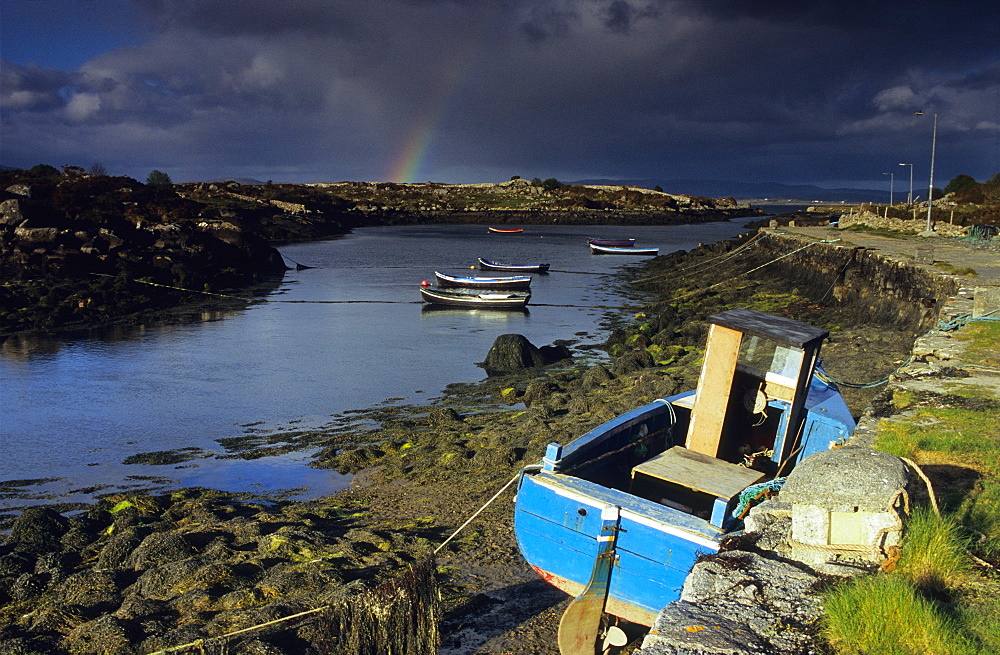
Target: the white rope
(477, 512)
(927, 482)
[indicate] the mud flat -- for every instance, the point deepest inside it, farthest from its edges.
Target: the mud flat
(137, 573)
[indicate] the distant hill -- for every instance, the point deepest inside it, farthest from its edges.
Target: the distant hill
(754, 190)
(249, 181)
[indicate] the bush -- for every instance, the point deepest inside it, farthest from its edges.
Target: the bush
(158, 178)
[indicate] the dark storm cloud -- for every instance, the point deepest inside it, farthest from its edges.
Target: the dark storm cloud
(318, 90)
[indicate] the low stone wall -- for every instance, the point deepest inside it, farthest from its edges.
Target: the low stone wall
(885, 291)
(873, 219)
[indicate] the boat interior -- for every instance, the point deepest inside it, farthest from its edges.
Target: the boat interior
(695, 452)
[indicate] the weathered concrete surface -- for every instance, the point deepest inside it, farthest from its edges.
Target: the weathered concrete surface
(738, 603)
(846, 479)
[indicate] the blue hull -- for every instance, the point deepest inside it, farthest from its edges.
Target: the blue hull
(559, 505)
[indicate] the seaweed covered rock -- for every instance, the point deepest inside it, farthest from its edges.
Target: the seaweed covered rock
(37, 529)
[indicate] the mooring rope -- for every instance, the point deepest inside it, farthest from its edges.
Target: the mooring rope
(965, 319)
(830, 379)
(201, 642)
(726, 256)
(478, 512)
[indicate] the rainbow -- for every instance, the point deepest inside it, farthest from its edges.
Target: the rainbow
(415, 146)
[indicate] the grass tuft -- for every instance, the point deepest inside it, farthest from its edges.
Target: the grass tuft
(934, 558)
(886, 614)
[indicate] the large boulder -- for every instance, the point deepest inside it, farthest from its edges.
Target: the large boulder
(511, 353)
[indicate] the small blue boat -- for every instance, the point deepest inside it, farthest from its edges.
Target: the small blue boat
(508, 283)
(618, 517)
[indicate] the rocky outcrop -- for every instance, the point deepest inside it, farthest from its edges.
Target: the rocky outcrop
(78, 261)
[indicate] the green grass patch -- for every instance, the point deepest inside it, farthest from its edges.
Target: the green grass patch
(964, 440)
(887, 615)
(936, 600)
(934, 555)
(930, 603)
(950, 268)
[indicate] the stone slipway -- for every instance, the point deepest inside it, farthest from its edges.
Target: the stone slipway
(765, 604)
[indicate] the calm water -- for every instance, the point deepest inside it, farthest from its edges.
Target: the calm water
(72, 409)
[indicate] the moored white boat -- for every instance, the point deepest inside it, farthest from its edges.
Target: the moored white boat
(473, 298)
(609, 250)
(490, 265)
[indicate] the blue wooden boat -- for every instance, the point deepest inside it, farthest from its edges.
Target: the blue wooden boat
(596, 249)
(508, 283)
(618, 516)
(490, 265)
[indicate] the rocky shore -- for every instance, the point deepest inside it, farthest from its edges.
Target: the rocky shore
(137, 573)
(79, 250)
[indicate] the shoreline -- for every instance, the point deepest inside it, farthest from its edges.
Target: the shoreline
(425, 473)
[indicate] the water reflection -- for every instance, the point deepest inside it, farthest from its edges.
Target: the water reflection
(75, 408)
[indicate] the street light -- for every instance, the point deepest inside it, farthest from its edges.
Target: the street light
(892, 176)
(930, 189)
(909, 198)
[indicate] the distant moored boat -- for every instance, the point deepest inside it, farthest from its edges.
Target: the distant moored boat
(490, 265)
(605, 250)
(612, 243)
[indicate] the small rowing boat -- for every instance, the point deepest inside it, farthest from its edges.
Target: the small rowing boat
(502, 230)
(619, 516)
(509, 283)
(612, 243)
(472, 298)
(606, 250)
(490, 265)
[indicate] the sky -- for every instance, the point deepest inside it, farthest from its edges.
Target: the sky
(461, 91)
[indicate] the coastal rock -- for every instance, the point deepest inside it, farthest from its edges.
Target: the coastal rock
(38, 529)
(555, 353)
(157, 549)
(632, 361)
(596, 377)
(443, 416)
(511, 353)
(105, 634)
(10, 212)
(537, 391)
(92, 590)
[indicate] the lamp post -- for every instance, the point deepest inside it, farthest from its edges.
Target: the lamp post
(892, 177)
(909, 198)
(930, 189)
